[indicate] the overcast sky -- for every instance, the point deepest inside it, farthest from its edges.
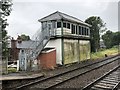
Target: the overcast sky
(25, 14)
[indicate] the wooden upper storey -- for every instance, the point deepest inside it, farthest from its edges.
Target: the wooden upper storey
(62, 24)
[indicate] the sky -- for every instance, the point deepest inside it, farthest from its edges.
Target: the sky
(25, 13)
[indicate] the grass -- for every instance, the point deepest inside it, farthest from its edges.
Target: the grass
(12, 70)
(101, 54)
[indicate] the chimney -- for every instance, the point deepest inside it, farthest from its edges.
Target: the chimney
(13, 49)
(13, 43)
(19, 39)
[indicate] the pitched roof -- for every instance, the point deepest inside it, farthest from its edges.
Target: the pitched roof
(59, 15)
(24, 44)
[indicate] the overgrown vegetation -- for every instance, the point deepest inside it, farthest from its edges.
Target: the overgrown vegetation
(111, 39)
(24, 37)
(12, 70)
(101, 54)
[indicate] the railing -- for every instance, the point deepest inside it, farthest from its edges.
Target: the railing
(40, 39)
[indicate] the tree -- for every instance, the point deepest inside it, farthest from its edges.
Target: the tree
(107, 39)
(98, 26)
(116, 38)
(25, 37)
(5, 9)
(111, 38)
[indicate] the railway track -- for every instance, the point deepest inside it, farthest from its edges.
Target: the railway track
(109, 81)
(51, 82)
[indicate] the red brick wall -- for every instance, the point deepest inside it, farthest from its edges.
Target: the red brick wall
(47, 60)
(14, 51)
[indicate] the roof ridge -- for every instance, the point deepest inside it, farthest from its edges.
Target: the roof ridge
(49, 15)
(60, 14)
(71, 16)
(65, 16)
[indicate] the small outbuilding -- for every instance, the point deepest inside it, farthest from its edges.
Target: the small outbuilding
(47, 58)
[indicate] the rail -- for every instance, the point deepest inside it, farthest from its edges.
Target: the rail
(108, 84)
(57, 77)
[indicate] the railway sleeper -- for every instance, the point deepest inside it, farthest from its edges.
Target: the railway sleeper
(104, 87)
(108, 82)
(111, 80)
(105, 84)
(96, 88)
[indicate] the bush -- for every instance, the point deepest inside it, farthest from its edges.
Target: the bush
(12, 70)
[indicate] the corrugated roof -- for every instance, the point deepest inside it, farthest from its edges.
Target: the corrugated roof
(59, 15)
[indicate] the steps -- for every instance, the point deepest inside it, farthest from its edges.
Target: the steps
(41, 38)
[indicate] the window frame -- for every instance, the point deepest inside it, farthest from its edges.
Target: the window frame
(64, 23)
(67, 25)
(80, 30)
(59, 24)
(72, 28)
(76, 29)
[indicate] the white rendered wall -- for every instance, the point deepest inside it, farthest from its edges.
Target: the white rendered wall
(58, 31)
(56, 43)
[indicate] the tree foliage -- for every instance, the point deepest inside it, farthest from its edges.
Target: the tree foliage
(25, 37)
(116, 38)
(5, 10)
(98, 26)
(107, 39)
(111, 39)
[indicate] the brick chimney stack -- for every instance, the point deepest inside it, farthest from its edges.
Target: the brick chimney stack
(19, 39)
(14, 49)
(13, 43)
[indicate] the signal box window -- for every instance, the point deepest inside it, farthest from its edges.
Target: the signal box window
(58, 24)
(80, 30)
(64, 25)
(73, 29)
(68, 25)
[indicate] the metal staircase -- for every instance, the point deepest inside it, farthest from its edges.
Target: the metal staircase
(40, 39)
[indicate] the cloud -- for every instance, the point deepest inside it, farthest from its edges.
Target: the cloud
(110, 16)
(24, 16)
(90, 1)
(119, 16)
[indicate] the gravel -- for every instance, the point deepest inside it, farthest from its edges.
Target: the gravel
(68, 85)
(64, 68)
(85, 79)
